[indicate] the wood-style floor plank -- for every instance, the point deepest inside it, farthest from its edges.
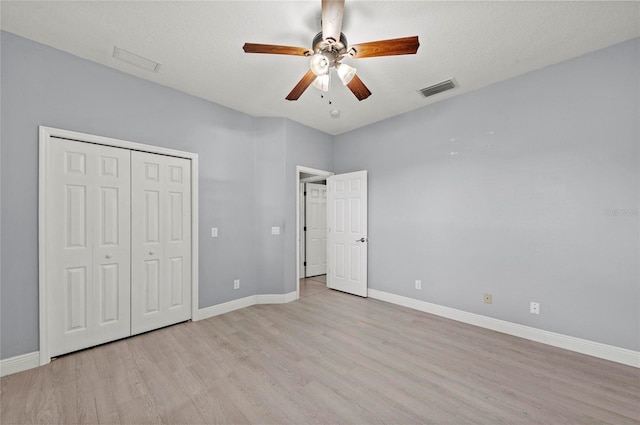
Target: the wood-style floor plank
(327, 358)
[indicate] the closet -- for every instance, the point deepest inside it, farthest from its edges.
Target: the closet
(118, 251)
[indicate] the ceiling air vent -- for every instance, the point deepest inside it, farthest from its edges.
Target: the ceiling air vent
(136, 60)
(437, 88)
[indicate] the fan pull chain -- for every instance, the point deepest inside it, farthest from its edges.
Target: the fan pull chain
(322, 97)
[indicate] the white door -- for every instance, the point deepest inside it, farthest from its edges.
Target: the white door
(161, 241)
(347, 233)
(88, 245)
(316, 229)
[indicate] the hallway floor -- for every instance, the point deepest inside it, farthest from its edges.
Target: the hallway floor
(313, 285)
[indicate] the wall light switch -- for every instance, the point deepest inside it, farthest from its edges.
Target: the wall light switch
(275, 230)
(214, 232)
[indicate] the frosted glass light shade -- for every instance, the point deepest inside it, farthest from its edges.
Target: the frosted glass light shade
(319, 64)
(322, 82)
(346, 73)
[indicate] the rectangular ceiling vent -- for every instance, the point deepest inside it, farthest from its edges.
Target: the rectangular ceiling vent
(136, 60)
(438, 88)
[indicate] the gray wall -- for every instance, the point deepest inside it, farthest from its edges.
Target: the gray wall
(284, 145)
(309, 150)
(243, 163)
(540, 203)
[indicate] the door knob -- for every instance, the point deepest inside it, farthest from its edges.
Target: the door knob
(107, 256)
(150, 252)
(361, 240)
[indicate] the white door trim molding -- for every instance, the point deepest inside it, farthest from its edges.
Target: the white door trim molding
(583, 346)
(307, 170)
(45, 133)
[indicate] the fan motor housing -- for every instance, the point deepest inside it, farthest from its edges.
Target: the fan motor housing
(331, 46)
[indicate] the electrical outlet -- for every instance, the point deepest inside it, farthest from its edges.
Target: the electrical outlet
(214, 232)
(418, 284)
(487, 298)
(275, 230)
(534, 308)
(236, 284)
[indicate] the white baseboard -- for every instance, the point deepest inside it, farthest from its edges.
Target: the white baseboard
(215, 310)
(591, 348)
(19, 363)
(276, 298)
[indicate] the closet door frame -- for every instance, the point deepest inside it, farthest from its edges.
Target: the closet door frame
(45, 134)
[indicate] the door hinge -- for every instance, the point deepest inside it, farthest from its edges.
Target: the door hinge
(305, 193)
(304, 264)
(304, 229)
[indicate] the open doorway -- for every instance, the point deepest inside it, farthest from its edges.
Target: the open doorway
(311, 271)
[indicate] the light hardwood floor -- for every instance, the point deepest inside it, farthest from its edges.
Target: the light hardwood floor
(313, 285)
(327, 358)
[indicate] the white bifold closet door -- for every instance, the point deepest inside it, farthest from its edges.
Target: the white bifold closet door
(88, 250)
(118, 253)
(160, 241)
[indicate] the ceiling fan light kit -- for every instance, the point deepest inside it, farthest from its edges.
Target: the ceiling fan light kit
(330, 47)
(345, 72)
(319, 64)
(322, 82)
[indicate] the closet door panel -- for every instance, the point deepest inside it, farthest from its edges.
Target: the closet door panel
(112, 245)
(87, 245)
(161, 245)
(178, 238)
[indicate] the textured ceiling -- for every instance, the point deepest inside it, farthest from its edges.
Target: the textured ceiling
(199, 44)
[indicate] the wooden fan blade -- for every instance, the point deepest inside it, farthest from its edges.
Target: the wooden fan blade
(358, 88)
(395, 46)
(332, 12)
(276, 49)
(302, 85)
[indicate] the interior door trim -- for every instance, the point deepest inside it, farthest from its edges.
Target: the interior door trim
(45, 134)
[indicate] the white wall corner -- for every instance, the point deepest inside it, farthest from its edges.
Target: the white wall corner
(276, 298)
(218, 309)
(19, 363)
(215, 310)
(583, 346)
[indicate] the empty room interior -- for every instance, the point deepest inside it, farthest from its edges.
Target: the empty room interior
(320, 211)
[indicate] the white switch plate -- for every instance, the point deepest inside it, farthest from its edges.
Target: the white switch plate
(418, 284)
(236, 284)
(275, 230)
(214, 232)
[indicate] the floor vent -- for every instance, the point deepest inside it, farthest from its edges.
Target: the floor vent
(437, 88)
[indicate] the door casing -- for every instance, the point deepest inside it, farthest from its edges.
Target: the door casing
(45, 133)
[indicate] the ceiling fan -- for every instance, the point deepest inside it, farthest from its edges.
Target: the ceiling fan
(330, 47)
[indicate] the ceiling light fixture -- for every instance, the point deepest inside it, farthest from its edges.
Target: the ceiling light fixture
(322, 82)
(345, 72)
(319, 64)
